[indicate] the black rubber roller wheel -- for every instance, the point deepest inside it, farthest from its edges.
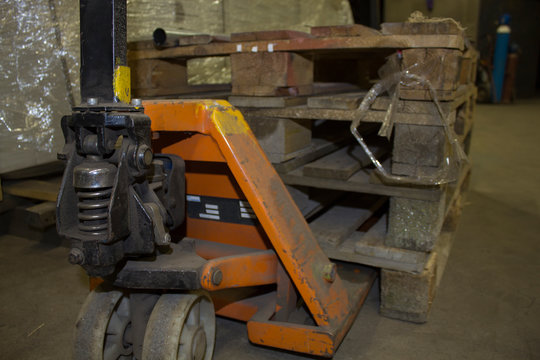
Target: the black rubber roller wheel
(181, 326)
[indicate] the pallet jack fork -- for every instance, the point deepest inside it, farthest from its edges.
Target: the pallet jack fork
(242, 249)
(222, 136)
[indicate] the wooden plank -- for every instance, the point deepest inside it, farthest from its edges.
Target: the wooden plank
(414, 224)
(174, 40)
(441, 67)
(343, 163)
(33, 189)
(49, 168)
(343, 30)
(281, 139)
(332, 227)
(262, 74)
(267, 101)
(303, 112)
(408, 296)
(199, 39)
(41, 216)
(320, 45)
(409, 112)
(155, 77)
(310, 201)
(358, 249)
(413, 28)
(418, 145)
(8, 203)
(269, 35)
(203, 91)
(319, 147)
(349, 101)
(360, 182)
(371, 246)
(285, 101)
(461, 95)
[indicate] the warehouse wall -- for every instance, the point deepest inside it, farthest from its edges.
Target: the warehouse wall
(39, 56)
(525, 32)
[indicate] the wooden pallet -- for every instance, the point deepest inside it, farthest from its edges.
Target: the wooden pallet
(409, 279)
(288, 63)
(285, 83)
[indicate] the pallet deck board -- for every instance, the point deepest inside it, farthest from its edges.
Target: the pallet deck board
(413, 112)
(343, 163)
(319, 147)
(360, 182)
(326, 45)
(332, 227)
(33, 189)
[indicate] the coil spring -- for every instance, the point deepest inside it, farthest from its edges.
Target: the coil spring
(93, 209)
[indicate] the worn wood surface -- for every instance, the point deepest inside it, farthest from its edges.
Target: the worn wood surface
(360, 182)
(320, 45)
(285, 101)
(349, 101)
(408, 296)
(412, 28)
(310, 201)
(50, 168)
(318, 147)
(157, 77)
(338, 222)
(416, 224)
(281, 139)
(371, 245)
(269, 35)
(343, 163)
(367, 248)
(267, 101)
(441, 67)
(41, 216)
(33, 189)
(174, 40)
(266, 74)
(419, 145)
(303, 112)
(343, 30)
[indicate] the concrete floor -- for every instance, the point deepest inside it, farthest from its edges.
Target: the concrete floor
(487, 307)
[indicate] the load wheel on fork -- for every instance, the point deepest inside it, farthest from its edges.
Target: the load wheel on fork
(181, 326)
(103, 328)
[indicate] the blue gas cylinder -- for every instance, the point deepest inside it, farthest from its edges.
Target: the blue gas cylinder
(499, 56)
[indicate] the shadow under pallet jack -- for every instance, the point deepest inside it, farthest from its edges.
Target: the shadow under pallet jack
(242, 249)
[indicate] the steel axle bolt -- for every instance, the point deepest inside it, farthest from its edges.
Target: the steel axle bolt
(136, 102)
(329, 272)
(217, 277)
(167, 238)
(144, 156)
(92, 101)
(76, 256)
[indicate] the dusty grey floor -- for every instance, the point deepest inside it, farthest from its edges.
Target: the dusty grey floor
(487, 306)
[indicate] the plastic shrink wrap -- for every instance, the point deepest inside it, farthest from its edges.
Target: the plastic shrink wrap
(39, 56)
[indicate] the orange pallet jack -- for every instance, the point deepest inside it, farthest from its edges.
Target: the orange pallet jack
(285, 251)
(182, 217)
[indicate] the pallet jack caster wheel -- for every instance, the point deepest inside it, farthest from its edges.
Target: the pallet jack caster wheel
(182, 327)
(103, 328)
